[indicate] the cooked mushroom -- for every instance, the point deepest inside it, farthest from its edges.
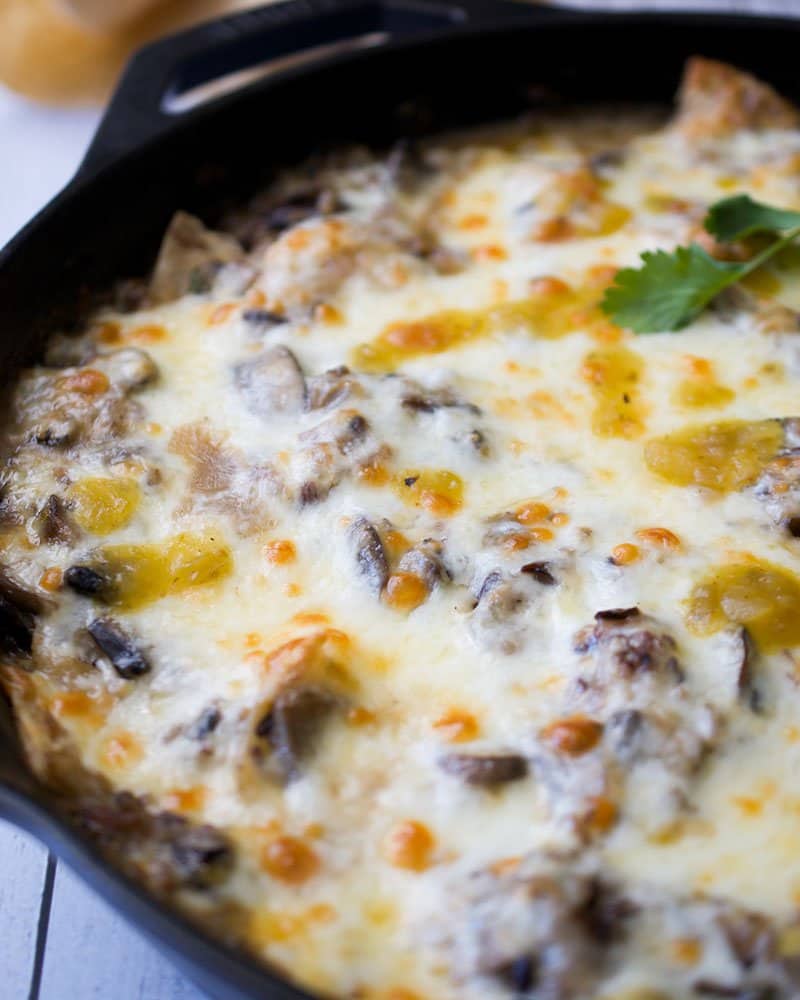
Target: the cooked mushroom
(332, 450)
(294, 724)
(778, 489)
(420, 399)
(129, 368)
(86, 581)
(272, 383)
(206, 724)
(500, 603)
(189, 256)
(115, 643)
(541, 573)
(261, 320)
(425, 560)
(485, 770)
(534, 925)
(196, 857)
(50, 522)
(332, 387)
(768, 316)
(370, 554)
(302, 205)
(626, 642)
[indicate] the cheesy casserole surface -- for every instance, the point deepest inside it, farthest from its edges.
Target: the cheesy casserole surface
(373, 598)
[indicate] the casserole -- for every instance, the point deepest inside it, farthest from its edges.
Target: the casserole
(223, 178)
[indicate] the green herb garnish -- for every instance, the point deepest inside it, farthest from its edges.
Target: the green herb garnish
(670, 289)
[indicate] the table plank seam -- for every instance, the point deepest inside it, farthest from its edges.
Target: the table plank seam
(42, 927)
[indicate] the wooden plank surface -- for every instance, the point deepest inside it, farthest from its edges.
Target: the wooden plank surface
(23, 876)
(57, 940)
(93, 954)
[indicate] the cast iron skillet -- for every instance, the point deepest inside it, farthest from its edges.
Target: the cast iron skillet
(433, 64)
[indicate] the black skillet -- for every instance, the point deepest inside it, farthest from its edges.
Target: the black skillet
(420, 66)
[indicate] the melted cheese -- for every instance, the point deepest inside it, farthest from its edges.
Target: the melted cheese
(567, 444)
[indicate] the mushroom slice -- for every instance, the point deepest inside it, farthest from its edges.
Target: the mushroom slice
(129, 368)
(332, 387)
(189, 256)
(485, 770)
(271, 383)
(498, 618)
(50, 522)
(370, 554)
(294, 725)
(115, 643)
(425, 561)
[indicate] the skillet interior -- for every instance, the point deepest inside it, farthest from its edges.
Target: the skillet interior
(110, 220)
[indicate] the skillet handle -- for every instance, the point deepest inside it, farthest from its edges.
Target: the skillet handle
(136, 114)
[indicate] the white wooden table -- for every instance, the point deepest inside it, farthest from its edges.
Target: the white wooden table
(57, 940)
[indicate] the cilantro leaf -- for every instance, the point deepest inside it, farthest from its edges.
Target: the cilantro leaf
(739, 216)
(668, 291)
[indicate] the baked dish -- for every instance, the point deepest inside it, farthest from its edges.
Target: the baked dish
(373, 597)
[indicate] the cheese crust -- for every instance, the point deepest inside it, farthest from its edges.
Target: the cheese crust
(373, 598)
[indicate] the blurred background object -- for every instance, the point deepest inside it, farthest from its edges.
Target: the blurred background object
(71, 51)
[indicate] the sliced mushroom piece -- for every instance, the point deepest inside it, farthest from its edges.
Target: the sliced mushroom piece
(490, 582)
(332, 387)
(532, 925)
(272, 383)
(370, 554)
(346, 430)
(768, 316)
(477, 440)
(778, 489)
(332, 450)
(617, 614)
(21, 596)
(302, 205)
(195, 857)
(485, 770)
(261, 320)
(495, 619)
(736, 653)
(206, 724)
(58, 432)
(419, 399)
(425, 560)
(606, 161)
(623, 732)
(294, 724)
(630, 643)
(203, 856)
(115, 643)
(50, 523)
(541, 573)
(87, 582)
(189, 256)
(129, 368)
